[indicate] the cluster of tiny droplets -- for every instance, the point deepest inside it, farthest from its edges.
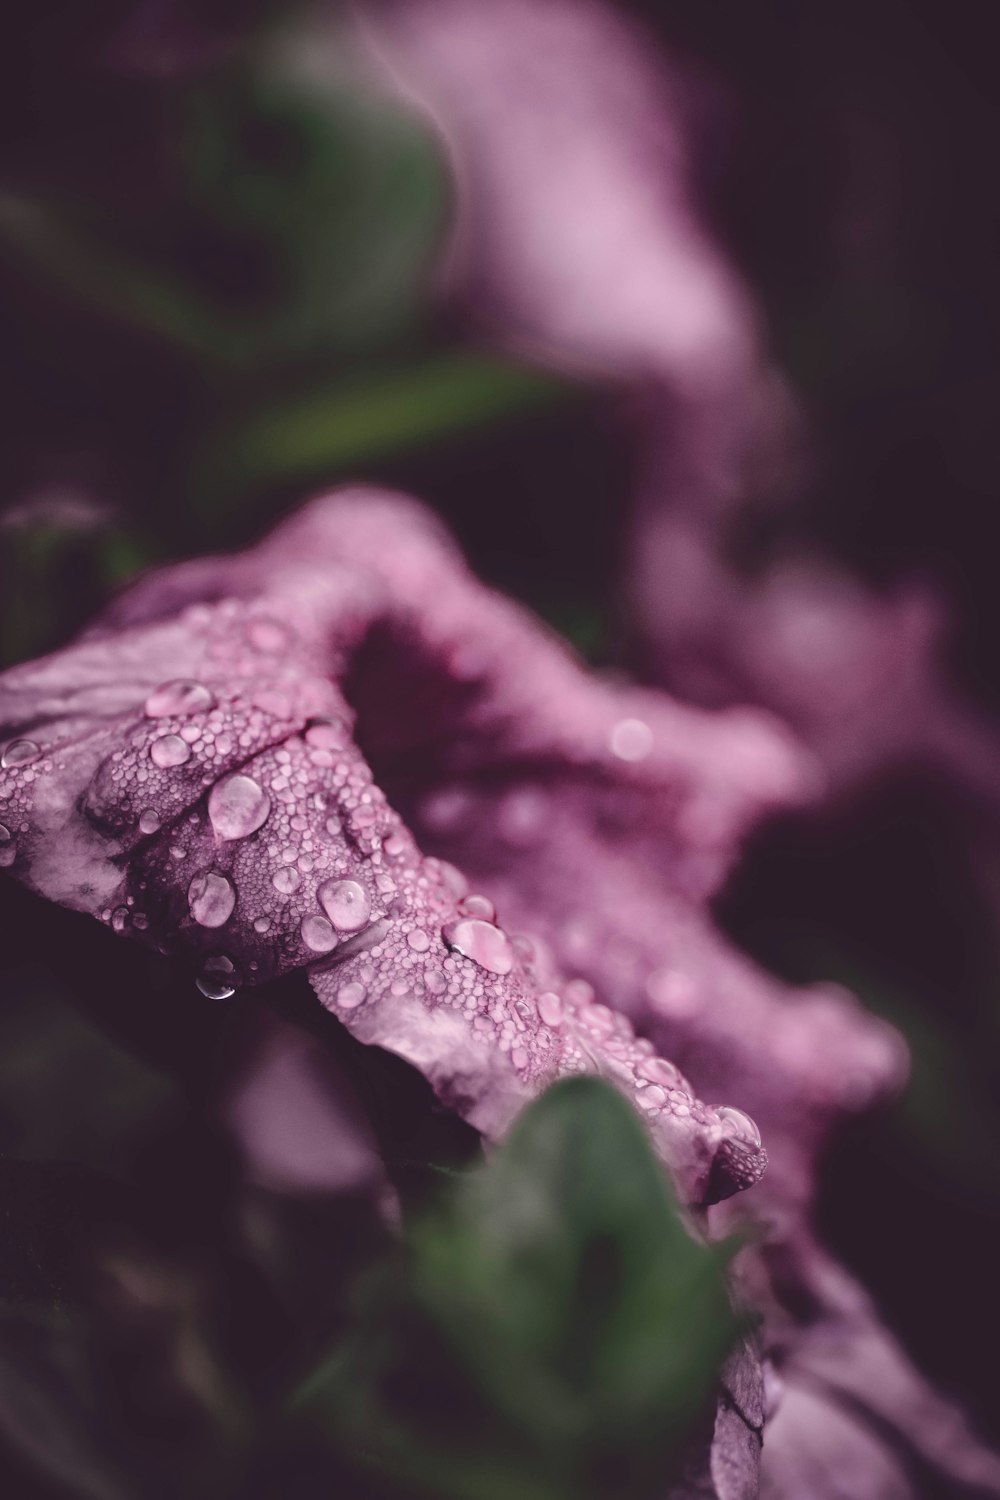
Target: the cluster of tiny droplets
(251, 800)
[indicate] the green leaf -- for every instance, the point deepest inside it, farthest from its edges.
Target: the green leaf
(553, 1330)
(331, 429)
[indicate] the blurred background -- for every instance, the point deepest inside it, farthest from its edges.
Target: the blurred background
(227, 252)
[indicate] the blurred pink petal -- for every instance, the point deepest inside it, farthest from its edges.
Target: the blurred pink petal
(578, 232)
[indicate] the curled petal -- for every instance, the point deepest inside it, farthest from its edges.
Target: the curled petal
(195, 777)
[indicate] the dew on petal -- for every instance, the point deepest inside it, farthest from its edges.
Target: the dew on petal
(741, 1124)
(286, 879)
(237, 806)
(317, 934)
(218, 978)
(485, 944)
(8, 849)
(369, 937)
(478, 906)
(658, 1070)
(19, 753)
(349, 996)
(453, 878)
(169, 750)
(119, 918)
(550, 1007)
(631, 739)
(262, 924)
(211, 899)
(268, 635)
(326, 734)
(149, 820)
(177, 699)
(418, 940)
(346, 903)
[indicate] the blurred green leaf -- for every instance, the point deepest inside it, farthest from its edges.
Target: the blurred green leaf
(329, 430)
(551, 1331)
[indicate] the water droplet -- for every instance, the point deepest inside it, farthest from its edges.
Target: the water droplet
(140, 920)
(238, 806)
(8, 849)
(550, 1007)
(211, 899)
(579, 992)
(119, 918)
(658, 1070)
(346, 903)
(261, 924)
(286, 879)
(177, 699)
(631, 739)
(453, 878)
(169, 750)
(218, 978)
(522, 815)
(149, 820)
(478, 906)
(268, 635)
(317, 934)
(485, 944)
(362, 941)
(418, 940)
(351, 995)
(19, 753)
(327, 734)
(740, 1123)
(435, 982)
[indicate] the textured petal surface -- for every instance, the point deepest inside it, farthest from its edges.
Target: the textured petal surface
(189, 772)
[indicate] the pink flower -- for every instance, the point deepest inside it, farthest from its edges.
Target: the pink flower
(190, 772)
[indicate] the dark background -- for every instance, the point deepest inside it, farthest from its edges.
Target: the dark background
(215, 294)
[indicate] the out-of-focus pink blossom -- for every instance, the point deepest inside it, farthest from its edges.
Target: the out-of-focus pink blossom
(581, 236)
(577, 231)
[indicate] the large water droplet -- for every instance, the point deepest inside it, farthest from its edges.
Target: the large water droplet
(8, 849)
(362, 941)
(659, 1070)
(550, 1007)
(741, 1123)
(631, 739)
(218, 978)
(211, 899)
(418, 940)
(485, 944)
(317, 934)
(286, 879)
(478, 906)
(349, 996)
(177, 699)
(149, 820)
(19, 753)
(268, 635)
(327, 734)
(238, 806)
(346, 903)
(169, 750)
